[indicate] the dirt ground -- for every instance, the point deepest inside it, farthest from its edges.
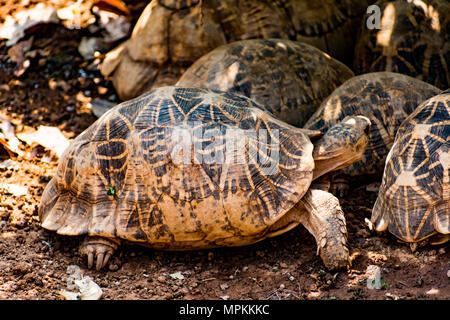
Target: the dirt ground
(54, 91)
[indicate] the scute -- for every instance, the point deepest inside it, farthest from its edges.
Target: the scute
(413, 200)
(413, 40)
(166, 199)
(288, 78)
(386, 98)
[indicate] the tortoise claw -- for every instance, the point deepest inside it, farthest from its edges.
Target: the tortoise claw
(98, 249)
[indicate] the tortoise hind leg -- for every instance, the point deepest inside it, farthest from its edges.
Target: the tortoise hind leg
(98, 248)
(320, 213)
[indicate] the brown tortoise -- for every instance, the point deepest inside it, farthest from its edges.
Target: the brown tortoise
(288, 78)
(414, 39)
(386, 98)
(170, 35)
(185, 168)
(414, 198)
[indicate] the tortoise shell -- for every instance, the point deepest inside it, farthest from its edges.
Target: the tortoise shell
(290, 79)
(386, 98)
(414, 198)
(171, 35)
(146, 172)
(414, 39)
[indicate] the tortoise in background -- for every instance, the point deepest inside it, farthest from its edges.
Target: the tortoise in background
(329, 25)
(414, 198)
(386, 98)
(170, 35)
(185, 168)
(288, 78)
(414, 40)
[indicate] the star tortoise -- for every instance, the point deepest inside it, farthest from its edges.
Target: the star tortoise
(288, 78)
(386, 98)
(413, 39)
(185, 168)
(170, 35)
(414, 198)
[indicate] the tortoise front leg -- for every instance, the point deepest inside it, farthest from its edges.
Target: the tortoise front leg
(98, 248)
(319, 211)
(339, 185)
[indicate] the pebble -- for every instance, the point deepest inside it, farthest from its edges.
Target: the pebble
(113, 267)
(162, 279)
(373, 274)
(291, 278)
(224, 287)
(177, 275)
(448, 273)
(282, 286)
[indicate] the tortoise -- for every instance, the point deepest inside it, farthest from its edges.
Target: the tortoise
(414, 39)
(170, 35)
(413, 202)
(386, 98)
(290, 79)
(186, 169)
(329, 25)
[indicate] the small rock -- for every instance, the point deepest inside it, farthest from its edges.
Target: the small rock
(448, 273)
(184, 291)
(291, 278)
(283, 265)
(224, 297)
(223, 287)
(373, 274)
(113, 267)
(282, 286)
(161, 279)
(177, 275)
(73, 269)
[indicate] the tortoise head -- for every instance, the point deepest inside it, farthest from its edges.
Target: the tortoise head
(342, 145)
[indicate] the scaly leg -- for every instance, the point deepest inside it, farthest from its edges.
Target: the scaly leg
(99, 248)
(319, 211)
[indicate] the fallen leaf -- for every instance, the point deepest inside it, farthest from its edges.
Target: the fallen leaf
(15, 26)
(15, 189)
(49, 137)
(116, 6)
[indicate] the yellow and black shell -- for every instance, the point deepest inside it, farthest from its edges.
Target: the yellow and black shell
(329, 25)
(386, 98)
(413, 39)
(170, 35)
(171, 170)
(288, 78)
(414, 198)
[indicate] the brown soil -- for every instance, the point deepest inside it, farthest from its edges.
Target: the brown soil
(33, 262)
